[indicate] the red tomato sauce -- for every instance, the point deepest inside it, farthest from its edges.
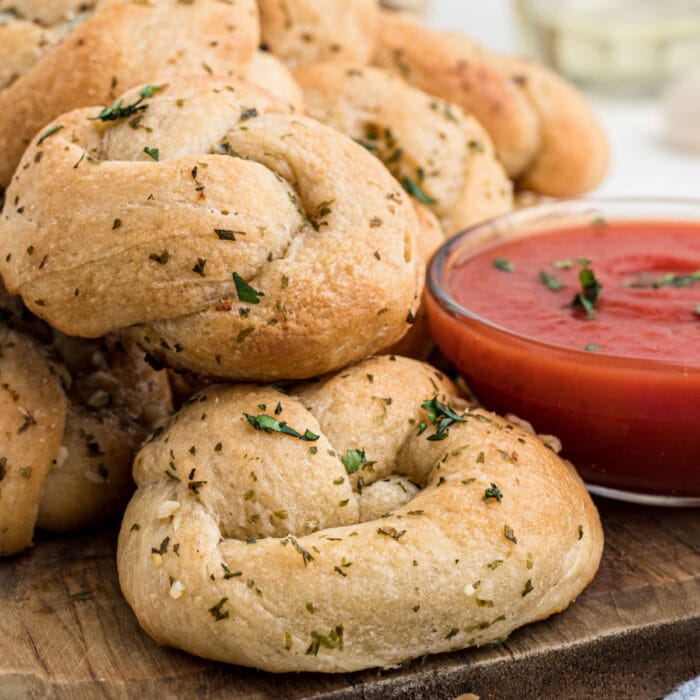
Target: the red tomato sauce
(621, 390)
(647, 305)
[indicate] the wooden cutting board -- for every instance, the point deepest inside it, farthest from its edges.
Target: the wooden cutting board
(65, 632)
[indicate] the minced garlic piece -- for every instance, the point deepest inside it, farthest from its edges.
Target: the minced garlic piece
(176, 590)
(167, 508)
(61, 457)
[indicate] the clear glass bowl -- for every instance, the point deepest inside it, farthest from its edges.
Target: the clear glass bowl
(631, 426)
(628, 46)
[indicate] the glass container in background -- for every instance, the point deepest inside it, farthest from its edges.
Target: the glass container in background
(632, 47)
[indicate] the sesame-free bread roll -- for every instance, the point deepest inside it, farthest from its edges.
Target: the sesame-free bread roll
(29, 29)
(237, 239)
(72, 415)
(443, 158)
(32, 420)
(545, 133)
(92, 56)
(307, 31)
(360, 521)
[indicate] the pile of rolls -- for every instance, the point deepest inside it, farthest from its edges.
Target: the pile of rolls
(227, 209)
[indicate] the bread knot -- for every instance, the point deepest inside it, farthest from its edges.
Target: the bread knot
(363, 520)
(237, 239)
(443, 158)
(73, 413)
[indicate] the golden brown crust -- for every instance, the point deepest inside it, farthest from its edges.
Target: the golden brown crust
(298, 211)
(442, 157)
(31, 28)
(455, 68)
(32, 419)
(542, 128)
(573, 156)
(263, 549)
(72, 415)
(107, 54)
(307, 31)
(269, 73)
(45, 13)
(418, 342)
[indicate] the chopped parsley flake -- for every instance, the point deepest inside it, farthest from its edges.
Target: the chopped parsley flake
(415, 191)
(333, 640)
(441, 415)
(672, 279)
(117, 111)
(503, 265)
(269, 424)
(353, 460)
(245, 292)
(587, 298)
(230, 574)
(493, 494)
(391, 532)
(550, 281)
(49, 132)
(216, 612)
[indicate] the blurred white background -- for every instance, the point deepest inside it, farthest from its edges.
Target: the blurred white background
(643, 163)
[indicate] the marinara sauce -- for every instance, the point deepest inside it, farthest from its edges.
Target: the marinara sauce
(592, 333)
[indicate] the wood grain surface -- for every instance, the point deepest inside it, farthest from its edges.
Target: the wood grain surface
(66, 632)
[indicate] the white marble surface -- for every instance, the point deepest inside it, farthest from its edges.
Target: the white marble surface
(643, 163)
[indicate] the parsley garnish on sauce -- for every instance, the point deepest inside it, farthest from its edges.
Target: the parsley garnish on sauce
(672, 279)
(245, 292)
(269, 424)
(587, 298)
(152, 153)
(503, 265)
(550, 281)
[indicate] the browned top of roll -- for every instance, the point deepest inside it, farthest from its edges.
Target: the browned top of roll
(545, 133)
(242, 240)
(306, 31)
(443, 158)
(91, 58)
